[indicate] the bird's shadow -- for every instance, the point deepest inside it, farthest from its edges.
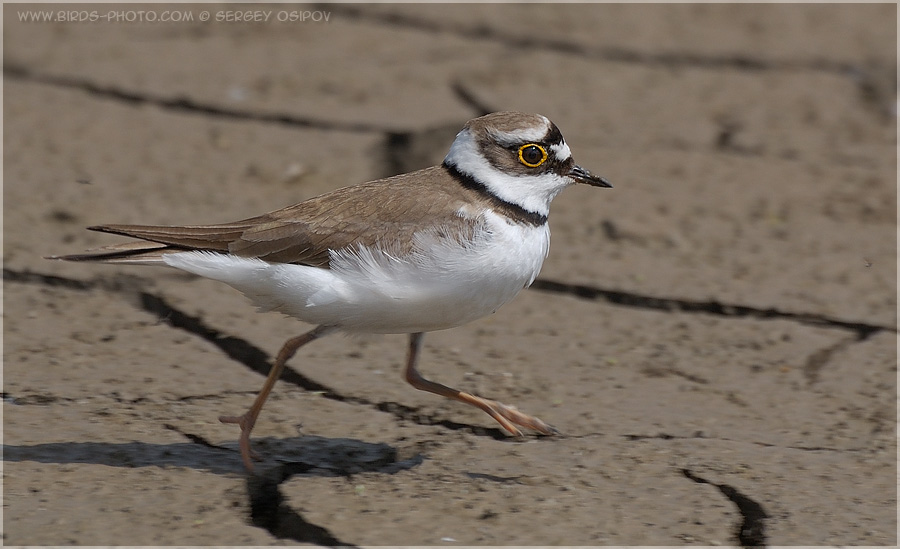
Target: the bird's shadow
(307, 455)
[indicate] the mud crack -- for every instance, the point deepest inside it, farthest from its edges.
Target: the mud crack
(269, 511)
(819, 359)
(184, 104)
(700, 435)
(752, 530)
(862, 330)
(329, 457)
(403, 151)
(196, 439)
(486, 33)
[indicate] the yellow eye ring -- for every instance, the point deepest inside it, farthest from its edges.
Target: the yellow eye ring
(528, 155)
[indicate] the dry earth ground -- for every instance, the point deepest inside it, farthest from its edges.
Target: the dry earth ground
(716, 336)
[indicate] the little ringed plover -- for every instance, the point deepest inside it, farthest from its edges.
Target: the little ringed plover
(413, 253)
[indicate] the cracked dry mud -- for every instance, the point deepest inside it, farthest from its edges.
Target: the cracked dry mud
(715, 336)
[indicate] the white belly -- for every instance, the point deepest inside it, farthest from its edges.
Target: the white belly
(440, 285)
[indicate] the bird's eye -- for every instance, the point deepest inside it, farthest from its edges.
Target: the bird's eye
(532, 155)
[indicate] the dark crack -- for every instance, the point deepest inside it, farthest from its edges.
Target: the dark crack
(752, 530)
(337, 457)
(408, 413)
(819, 359)
(659, 436)
(407, 150)
(862, 330)
(663, 371)
(468, 97)
(238, 349)
(196, 439)
(404, 151)
(184, 104)
(214, 396)
(700, 435)
(28, 277)
(269, 511)
(496, 478)
(122, 283)
(434, 139)
(537, 41)
(34, 399)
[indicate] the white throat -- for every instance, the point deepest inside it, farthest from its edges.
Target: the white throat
(532, 192)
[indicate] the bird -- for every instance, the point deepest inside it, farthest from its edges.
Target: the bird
(413, 253)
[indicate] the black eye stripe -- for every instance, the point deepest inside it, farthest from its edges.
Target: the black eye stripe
(553, 137)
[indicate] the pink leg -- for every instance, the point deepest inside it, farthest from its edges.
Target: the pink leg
(248, 420)
(507, 416)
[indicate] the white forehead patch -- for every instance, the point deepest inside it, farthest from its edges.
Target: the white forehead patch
(515, 137)
(561, 151)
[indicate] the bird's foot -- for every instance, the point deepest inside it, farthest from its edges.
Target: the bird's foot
(508, 417)
(246, 423)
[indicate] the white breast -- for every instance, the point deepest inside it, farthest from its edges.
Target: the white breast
(440, 285)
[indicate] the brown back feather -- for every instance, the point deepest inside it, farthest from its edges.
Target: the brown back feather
(304, 233)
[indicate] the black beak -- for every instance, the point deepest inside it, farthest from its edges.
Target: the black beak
(580, 175)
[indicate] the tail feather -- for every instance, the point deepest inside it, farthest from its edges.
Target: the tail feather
(157, 241)
(141, 253)
(205, 237)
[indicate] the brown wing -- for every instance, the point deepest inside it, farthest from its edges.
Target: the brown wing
(368, 214)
